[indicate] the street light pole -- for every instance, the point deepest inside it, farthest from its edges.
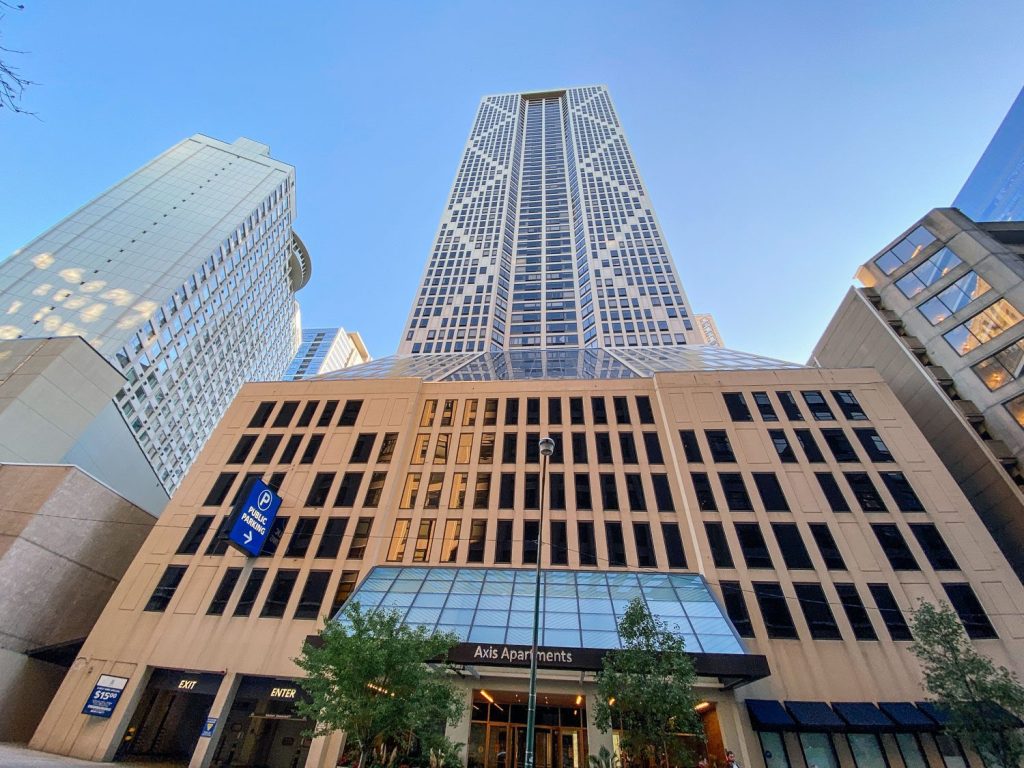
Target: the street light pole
(547, 447)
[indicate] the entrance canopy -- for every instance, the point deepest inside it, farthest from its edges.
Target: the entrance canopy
(491, 610)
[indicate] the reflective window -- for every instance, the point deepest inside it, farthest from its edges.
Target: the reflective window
(1016, 409)
(952, 299)
(984, 326)
(1002, 367)
(818, 749)
(910, 751)
(774, 750)
(928, 273)
(905, 250)
(867, 750)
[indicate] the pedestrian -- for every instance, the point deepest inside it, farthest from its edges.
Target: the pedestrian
(730, 759)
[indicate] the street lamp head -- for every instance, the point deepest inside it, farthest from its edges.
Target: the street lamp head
(547, 446)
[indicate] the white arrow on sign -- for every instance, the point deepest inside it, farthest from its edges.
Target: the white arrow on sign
(248, 537)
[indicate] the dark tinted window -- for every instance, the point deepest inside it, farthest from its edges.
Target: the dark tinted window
(583, 497)
(652, 447)
(298, 545)
(360, 538)
(533, 410)
(588, 549)
(312, 596)
(374, 489)
(194, 535)
(794, 553)
(817, 406)
(770, 491)
(848, 405)
(935, 549)
(242, 449)
(627, 446)
(250, 592)
(720, 553)
(839, 445)
(662, 493)
(219, 543)
(509, 443)
(579, 448)
(503, 542)
(621, 406)
(777, 619)
(223, 593)
(531, 530)
(753, 546)
(855, 612)
(781, 445)
(477, 539)
(643, 409)
(904, 496)
(350, 413)
(765, 407)
(736, 607)
(348, 490)
(280, 592)
(576, 410)
(895, 547)
(736, 497)
(327, 413)
(307, 413)
(558, 453)
(864, 491)
(603, 443)
(559, 543)
(556, 485)
(874, 447)
(820, 621)
(609, 492)
(598, 410)
(512, 411)
(274, 537)
(737, 406)
(284, 416)
(673, 545)
(263, 411)
(691, 448)
(330, 542)
(827, 546)
(645, 557)
(531, 490)
(312, 448)
(507, 491)
(165, 588)
(809, 446)
(317, 495)
(719, 445)
(969, 609)
(616, 545)
(789, 405)
(363, 448)
(834, 496)
(220, 489)
(532, 448)
(554, 410)
(290, 449)
(890, 612)
(702, 489)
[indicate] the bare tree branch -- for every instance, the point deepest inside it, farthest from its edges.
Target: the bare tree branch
(12, 83)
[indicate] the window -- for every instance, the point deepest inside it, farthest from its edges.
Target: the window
(627, 446)
(794, 553)
(490, 412)
(559, 543)
(817, 406)
(312, 595)
(905, 250)
(950, 750)
(809, 446)
(736, 607)
(374, 489)
(441, 448)
(691, 448)
(469, 413)
(719, 445)
(575, 410)
(789, 406)
(616, 545)
(464, 453)
(827, 546)
(419, 451)
(635, 493)
(818, 750)
(327, 414)
(621, 408)
(274, 537)
(503, 542)
(643, 409)
(482, 491)
(874, 447)
(249, 592)
(765, 407)
(777, 619)
(280, 592)
(532, 448)
(1015, 408)
(554, 410)
(753, 546)
(487, 448)
(954, 298)
(298, 545)
(579, 448)
(346, 586)
(673, 545)
(330, 541)
(984, 326)
(349, 488)
(935, 549)
(399, 537)
(509, 443)
(307, 413)
(435, 485)
(864, 491)
(477, 540)
(421, 553)
(223, 593)
(284, 416)
(770, 491)
(220, 489)
(448, 413)
(219, 543)
(855, 612)
(410, 491)
(587, 547)
(834, 496)
(276, 481)
(317, 496)
(890, 612)
(194, 535)
(511, 411)
(531, 490)
(737, 406)
(290, 449)
(360, 538)
(428, 413)
(736, 497)
(782, 447)
(609, 492)
(969, 609)
(350, 413)
(895, 547)
(450, 544)
(531, 530)
(242, 449)
(1002, 367)
(849, 405)
(582, 486)
(838, 443)
(910, 750)
(556, 495)
(652, 447)
(603, 443)
(598, 410)
(774, 749)
(662, 493)
(165, 588)
(702, 489)
(460, 485)
(929, 273)
(362, 448)
(820, 621)
(720, 554)
(262, 414)
(645, 556)
(507, 491)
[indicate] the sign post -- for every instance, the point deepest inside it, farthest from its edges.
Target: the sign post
(104, 696)
(254, 518)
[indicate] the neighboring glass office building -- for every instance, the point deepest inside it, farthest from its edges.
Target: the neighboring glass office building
(183, 275)
(324, 350)
(995, 189)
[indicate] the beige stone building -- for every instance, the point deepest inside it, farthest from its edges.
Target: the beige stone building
(785, 519)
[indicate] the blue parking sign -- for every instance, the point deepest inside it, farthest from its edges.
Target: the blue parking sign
(104, 696)
(254, 518)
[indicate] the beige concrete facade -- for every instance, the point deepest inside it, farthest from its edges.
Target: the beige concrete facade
(416, 419)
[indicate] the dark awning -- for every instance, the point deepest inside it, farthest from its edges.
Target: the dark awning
(935, 712)
(907, 717)
(814, 716)
(767, 715)
(863, 717)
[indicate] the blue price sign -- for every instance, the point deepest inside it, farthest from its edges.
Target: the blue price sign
(104, 696)
(208, 727)
(254, 518)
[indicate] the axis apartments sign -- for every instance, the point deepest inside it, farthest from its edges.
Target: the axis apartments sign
(501, 655)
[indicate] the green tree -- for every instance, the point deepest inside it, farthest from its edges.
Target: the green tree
(380, 681)
(968, 685)
(646, 691)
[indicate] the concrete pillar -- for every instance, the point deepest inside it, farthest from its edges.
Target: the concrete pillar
(221, 707)
(458, 732)
(595, 738)
(325, 750)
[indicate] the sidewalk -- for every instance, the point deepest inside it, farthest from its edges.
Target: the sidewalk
(20, 756)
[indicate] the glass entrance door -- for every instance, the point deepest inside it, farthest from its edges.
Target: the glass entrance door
(498, 732)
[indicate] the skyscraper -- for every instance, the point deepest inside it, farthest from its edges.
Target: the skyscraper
(549, 238)
(183, 276)
(324, 350)
(995, 189)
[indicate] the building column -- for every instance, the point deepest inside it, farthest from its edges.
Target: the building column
(595, 737)
(221, 707)
(325, 750)
(458, 732)
(737, 736)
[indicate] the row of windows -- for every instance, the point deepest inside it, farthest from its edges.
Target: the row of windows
(817, 406)
(720, 449)
(446, 416)
(286, 413)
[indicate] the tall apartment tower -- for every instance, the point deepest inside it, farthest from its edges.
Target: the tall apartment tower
(325, 350)
(183, 275)
(995, 189)
(549, 238)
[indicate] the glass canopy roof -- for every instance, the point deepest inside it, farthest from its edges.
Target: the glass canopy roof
(571, 363)
(579, 609)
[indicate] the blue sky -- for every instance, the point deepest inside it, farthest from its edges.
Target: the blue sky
(783, 143)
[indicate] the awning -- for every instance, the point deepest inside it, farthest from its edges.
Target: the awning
(992, 712)
(863, 717)
(935, 712)
(766, 715)
(814, 716)
(907, 717)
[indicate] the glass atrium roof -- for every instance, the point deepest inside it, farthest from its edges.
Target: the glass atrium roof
(579, 609)
(572, 363)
